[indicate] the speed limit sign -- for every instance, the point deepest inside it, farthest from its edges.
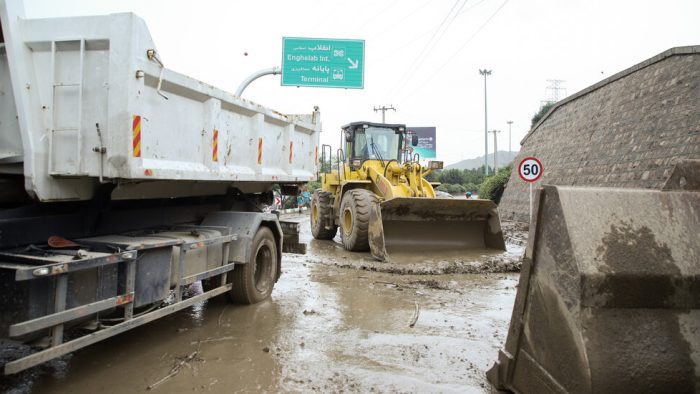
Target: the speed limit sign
(530, 169)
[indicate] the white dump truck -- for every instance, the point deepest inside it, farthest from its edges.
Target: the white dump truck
(123, 182)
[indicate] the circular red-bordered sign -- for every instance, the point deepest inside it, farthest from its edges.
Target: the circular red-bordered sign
(530, 169)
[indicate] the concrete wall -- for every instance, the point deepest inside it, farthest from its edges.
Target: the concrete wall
(625, 131)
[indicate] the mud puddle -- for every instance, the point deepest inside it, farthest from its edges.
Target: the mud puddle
(325, 328)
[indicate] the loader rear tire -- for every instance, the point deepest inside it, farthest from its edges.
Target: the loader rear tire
(253, 281)
(354, 219)
(322, 226)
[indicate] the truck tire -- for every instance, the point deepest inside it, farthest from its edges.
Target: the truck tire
(354, 219)
(253, 282)
(322, 226)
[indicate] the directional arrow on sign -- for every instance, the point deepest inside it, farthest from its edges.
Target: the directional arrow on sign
(353, 65)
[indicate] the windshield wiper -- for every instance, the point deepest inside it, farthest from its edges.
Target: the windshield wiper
(376, 150)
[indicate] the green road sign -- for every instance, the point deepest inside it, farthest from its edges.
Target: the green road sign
(322, 62)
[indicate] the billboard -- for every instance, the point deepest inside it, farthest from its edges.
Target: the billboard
(426, 142)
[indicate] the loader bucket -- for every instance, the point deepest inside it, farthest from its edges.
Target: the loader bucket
(435, 226)
(609, 295)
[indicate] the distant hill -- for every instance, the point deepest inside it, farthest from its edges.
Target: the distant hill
(504, 158)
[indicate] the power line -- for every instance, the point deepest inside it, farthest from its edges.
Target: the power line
(421, 59)
(390, 55)
(426, 49)
(412, 40)
(397, 23)
(373, 17)
(432, 75)
(472, 6)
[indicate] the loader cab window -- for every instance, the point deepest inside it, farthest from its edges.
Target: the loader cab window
(373, 142)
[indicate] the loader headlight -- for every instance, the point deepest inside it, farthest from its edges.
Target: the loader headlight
(356, 163)
(435, 165)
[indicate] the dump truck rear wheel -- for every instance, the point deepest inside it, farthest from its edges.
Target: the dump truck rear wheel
(354, 219)
(321, 212)
(253, 282)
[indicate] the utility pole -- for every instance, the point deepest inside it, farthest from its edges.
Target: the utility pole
(384, 108)
(495, 150)
(510, 123)
(486, 73)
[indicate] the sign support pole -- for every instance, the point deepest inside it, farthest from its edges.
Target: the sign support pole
(268, 71)
(530, 202)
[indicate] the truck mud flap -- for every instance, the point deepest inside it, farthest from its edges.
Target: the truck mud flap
(609, 295)
(448, 227)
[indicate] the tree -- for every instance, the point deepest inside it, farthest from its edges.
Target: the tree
(434, 176)
(471, 187)
(453, 176)
(539, 114)
(493, 187)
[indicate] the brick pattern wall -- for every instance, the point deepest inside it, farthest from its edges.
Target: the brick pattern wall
(626, 131)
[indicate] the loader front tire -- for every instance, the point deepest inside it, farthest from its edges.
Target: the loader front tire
(322, 225)
(354, 219)
(253, 281)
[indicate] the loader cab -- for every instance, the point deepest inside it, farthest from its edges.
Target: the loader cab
(374, 141)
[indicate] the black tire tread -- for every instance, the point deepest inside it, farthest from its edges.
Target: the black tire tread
(361, 200)
(325, 214)
(242, 277)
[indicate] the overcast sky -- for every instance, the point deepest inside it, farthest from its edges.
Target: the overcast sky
(422, 56)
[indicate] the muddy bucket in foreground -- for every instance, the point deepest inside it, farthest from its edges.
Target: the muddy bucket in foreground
(438, 227)
(609, 295)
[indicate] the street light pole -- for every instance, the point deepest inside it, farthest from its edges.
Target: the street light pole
(486, 73)
(510, 123)
(495, 150)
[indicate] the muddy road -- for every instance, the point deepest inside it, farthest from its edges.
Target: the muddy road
(336, 321)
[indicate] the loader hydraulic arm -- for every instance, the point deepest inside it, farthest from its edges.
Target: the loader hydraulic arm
(399, 180)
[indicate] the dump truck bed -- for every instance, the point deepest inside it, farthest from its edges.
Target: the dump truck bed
(86, 99)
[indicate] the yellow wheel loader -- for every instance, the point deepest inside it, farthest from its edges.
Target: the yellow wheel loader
(377, 194)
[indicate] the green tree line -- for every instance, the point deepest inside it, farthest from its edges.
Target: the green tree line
(456, 181)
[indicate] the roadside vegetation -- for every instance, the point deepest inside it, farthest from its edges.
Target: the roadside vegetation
(541, 113)
(456, 181)
(492, 188)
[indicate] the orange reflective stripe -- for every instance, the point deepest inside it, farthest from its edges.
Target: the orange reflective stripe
(290, 152)
(136, 131)
(260, 150)
(215, 153)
